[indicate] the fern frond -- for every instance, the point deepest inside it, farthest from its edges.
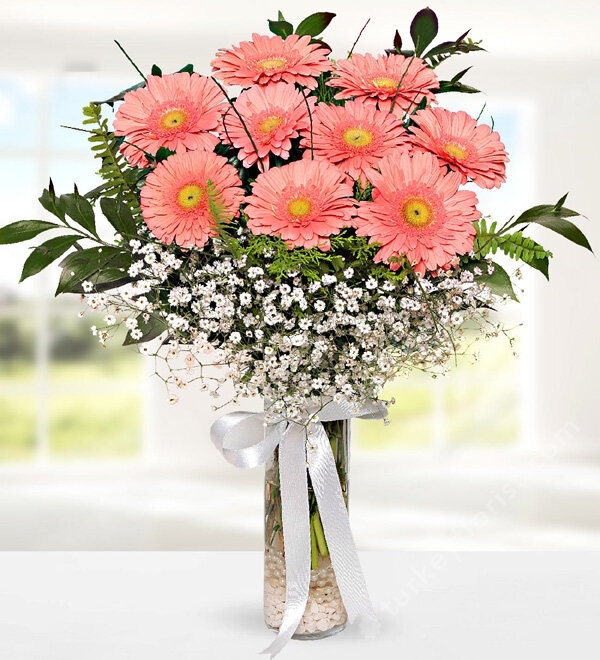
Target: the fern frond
(221, 217)
(515, 245)
(114, 169)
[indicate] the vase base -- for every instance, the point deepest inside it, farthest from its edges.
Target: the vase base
(320, 635)
(325, 613)
(315, 635)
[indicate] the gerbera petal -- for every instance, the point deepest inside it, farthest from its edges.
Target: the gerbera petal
(176, 111)
(418, 211)
(354, 137)
(472, 150)
(273, 115)
(303, 202)
(393, 83)
(181, 196)
(267, 59)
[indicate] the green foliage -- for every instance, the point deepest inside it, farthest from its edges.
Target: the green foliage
(325, 93)
(52, 203)
(423, 29)
(91, 265)
(46, 253)
(489, 238)
(281, 28)
(515, 245)
(498, 280)
(311, 26)
(80, 210)
(453, 85)
(356, 249)
(118, 213)
(346, 251)
(446, 49)
(222, 218)
(105, 146)
(553, 218)
(151, 329)
(314, 24)
(23, 230)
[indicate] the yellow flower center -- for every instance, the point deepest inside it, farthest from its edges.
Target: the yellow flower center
(455, 151)
(173, 118)
(270, 124)
(417, 212)
(190, 196)
(384, 83)
(299, 207)
(358, 137)
(270, 63)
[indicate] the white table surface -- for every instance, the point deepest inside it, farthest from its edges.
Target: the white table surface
(208, 605)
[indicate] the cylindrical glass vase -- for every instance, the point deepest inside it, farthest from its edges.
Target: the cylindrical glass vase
(325, 613)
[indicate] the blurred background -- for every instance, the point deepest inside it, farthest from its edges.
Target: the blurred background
(502, 454)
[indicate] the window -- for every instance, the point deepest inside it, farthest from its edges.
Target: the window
(61, 395)
(482, 402)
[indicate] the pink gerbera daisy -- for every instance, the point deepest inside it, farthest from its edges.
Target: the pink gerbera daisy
(418, 211)
(273, 115)
(267, 60)
(175, 111)
(475, 151)
(187, 194)
(392, 82)
(354, 137)
(303, 202)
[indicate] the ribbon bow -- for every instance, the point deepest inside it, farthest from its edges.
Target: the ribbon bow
(303, 445)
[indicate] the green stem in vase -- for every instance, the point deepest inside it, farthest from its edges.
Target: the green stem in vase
(320, 534)
(314, 550)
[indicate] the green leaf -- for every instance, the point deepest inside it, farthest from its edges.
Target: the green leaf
(281, 28)
(188, 68)
(280, 16)
(151, 329)
(565, 228)
(540, 264)
(321, 44)
(109, 277)
(155, 70)
(80, 210)
(119, 215)
(447, 49)
(553, 217)
(81, 265)
(397, 42)
(450, 86)
(120, 96)
(52, 203)
(499, 281)
(23, 230)
(460, 74)
(46, 253)
(423, 29)
(162, 154)
(314, 24)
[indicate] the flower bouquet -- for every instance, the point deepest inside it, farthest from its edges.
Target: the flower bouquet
(309, 226)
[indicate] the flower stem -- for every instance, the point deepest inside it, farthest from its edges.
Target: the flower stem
(320, 535)
(314, 551)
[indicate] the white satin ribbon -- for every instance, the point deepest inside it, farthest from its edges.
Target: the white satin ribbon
(303, 445)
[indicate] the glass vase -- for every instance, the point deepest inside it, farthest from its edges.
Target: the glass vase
(325, 613)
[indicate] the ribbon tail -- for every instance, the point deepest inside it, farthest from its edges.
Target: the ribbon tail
(296, 532)
(336, 525)
(238, 428)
